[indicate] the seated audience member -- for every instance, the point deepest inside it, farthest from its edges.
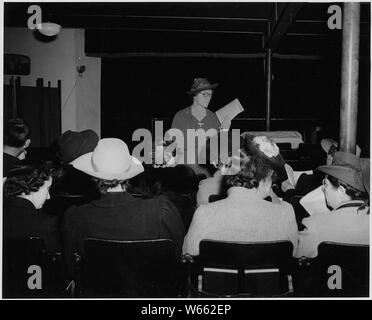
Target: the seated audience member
(308, 182)
(25, 191)
(161, 157)
(300, 209)
(244, 215)
(178, 184)
(365, 164)
(164, 174)
(16, 140)
(345, 188)
(74, 187)
(330, 147)
(117, 215)
(214, 185)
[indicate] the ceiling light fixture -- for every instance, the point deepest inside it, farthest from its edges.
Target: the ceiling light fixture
(49, 29)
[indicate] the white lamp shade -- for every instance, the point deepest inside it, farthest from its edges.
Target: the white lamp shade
(49, 28)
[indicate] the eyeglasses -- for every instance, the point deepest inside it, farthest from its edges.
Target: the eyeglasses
(324, 183)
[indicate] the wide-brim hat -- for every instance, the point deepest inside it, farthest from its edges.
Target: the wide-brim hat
(110, 160)
(366, 172)
(347, 168)
(73, 144)
(201, 84)
(326, 144)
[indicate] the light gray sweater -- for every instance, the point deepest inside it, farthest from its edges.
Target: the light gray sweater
(242, 216)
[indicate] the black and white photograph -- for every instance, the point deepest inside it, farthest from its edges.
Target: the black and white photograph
(186, 151)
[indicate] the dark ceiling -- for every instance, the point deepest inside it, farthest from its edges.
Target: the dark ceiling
(197, 28)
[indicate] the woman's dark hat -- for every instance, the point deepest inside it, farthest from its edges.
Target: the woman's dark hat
(201, 84)
(347, 168)
(74, 144)
(365, 164)
(327, 144)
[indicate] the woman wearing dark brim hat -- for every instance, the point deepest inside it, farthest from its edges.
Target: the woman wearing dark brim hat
(345, 191)
(74, 187)
(330, 147)
(117, 215)
(73, 144)
(197, 116)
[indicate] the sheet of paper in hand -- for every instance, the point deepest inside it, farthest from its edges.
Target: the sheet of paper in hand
(297, 174)
(314, 202)
(231, 110)
(290, 175)
(293, 176)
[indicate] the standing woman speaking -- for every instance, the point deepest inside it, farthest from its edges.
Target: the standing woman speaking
(197, 116)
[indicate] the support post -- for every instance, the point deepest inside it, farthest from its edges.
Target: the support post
(349, 76)
(13, 88)
(268, 88)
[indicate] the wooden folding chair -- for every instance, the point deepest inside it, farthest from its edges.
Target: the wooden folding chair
(30, 272)
(145, 268)
(343, 269)
(242, 269)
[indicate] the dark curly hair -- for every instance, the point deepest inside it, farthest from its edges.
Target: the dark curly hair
(103, 185)
(332, 150)
(353, 193)
(28, 178)
(16, 132)
(255, 166)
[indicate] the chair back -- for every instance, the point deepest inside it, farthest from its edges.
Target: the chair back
(146, 268)
(290, 154)
(343, 269)
(284, 146)
(304, 164)
(216, 197)
(29, 271)
(244, 268)
(60, 202)
(309, 148)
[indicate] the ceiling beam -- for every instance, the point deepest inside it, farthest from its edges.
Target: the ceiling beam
(179, 55)
(171, 30)
(281, 19)
(162, 23)
(162, 17)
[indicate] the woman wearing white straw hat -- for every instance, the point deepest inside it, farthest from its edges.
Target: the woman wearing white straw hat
(345, 187)
(117, 214)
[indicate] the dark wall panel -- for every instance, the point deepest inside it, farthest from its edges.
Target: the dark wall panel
(135, 90)
(105, 42)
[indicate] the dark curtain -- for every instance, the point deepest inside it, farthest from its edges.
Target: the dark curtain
(136, 90)
(39, 106)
